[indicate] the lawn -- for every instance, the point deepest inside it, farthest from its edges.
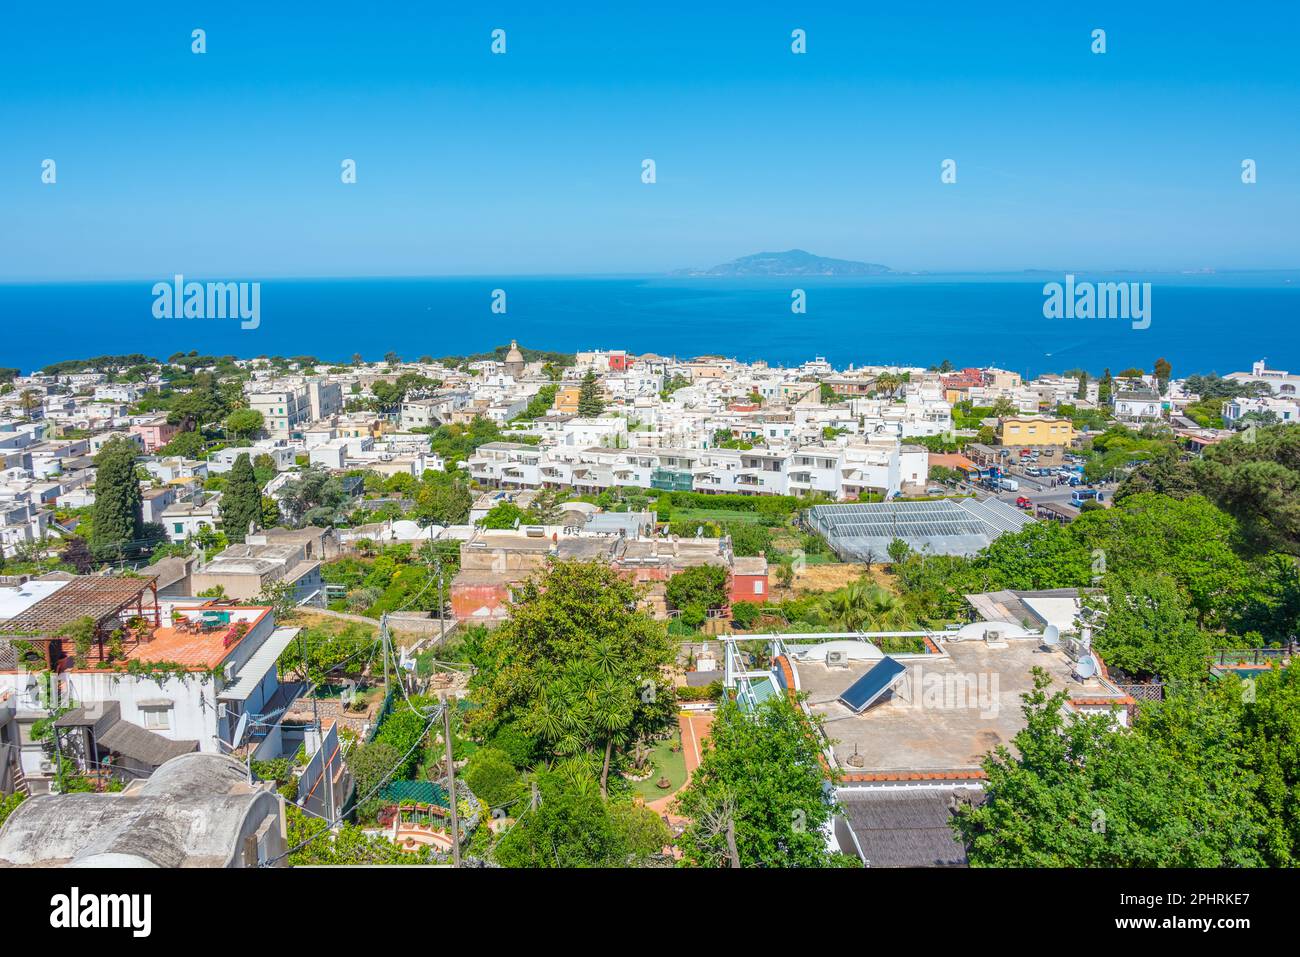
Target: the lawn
(717, 515)
(673, 765)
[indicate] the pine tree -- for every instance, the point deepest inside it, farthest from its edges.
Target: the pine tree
(589, 402)
(117, 514)
(241, 503)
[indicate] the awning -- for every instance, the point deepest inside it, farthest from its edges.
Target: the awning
(98, 717)
(132, 741)
(252, 671)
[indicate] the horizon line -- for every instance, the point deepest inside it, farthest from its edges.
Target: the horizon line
(1191, 272)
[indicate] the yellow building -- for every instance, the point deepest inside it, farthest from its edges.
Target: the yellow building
(1035, 430)
(566, 400)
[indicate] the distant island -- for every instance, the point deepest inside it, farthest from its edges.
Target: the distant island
(792, 262)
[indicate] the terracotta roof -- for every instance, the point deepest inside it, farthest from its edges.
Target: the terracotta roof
(916, 776)
(195, 651)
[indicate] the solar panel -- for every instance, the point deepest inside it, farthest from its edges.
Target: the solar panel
(862, 693)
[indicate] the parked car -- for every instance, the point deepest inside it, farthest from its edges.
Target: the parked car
(935, 490)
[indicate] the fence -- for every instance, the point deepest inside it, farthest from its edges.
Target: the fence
(1254, 656)
(384, 711)
(1152, 691)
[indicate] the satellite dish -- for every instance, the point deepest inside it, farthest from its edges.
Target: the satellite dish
(1085, 667)
(240, 728)
(1051, 636)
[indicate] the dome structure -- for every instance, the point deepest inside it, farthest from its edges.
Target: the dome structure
(514, 360)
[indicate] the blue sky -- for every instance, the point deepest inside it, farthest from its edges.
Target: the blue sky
(227, 164)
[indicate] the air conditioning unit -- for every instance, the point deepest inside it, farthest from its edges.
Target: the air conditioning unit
(48, 767)
(995, 638)
(837, 659)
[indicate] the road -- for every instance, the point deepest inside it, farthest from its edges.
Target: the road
(1038, 491)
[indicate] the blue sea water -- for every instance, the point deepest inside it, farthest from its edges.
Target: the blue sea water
(1202, 323)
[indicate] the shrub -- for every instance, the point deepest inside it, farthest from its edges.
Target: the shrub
(693, 616)
(492, 776)
(745, 613)
(519, 747)
(711, 692)
(369, 765)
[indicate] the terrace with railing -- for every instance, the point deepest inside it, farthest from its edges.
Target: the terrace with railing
(88, 619)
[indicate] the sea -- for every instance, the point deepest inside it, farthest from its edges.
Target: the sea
(1200, 323)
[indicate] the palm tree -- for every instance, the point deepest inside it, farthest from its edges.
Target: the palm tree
(846, 609)
(864, 605)
(611, 714)
(888, 382)
(886, 611)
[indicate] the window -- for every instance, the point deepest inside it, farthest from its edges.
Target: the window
(178, 528)
(157, 717)
(758, 587)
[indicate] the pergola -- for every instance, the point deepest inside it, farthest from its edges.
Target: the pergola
(103, 598)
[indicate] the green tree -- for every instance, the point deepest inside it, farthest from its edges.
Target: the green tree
(1189, 539)
(759, 792)
(117, 510)
(493, 778)
(1078, 791)
(245, 423)
(1269, 715)
(1162, 371)
(898, 551)
(349, 845)
(241, 503)
(441, 500)
(1042, 555)
(1149, 629)
(1256, 477)
(503, 515)
(372, 767)
(9, 803)
(189, 445)
(589, 401)
(864, 605)
(569, 826)
(577, 664)
(1165, 473)
(701, 586)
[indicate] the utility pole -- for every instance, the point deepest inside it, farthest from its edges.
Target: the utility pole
(448, 703)
(383, 639)
(442, 609)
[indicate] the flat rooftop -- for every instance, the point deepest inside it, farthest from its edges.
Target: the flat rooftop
(946, 713)
(196, 651)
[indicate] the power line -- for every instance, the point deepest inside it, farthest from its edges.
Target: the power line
(383, 781)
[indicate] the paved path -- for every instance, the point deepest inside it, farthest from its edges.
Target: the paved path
(694, 727)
